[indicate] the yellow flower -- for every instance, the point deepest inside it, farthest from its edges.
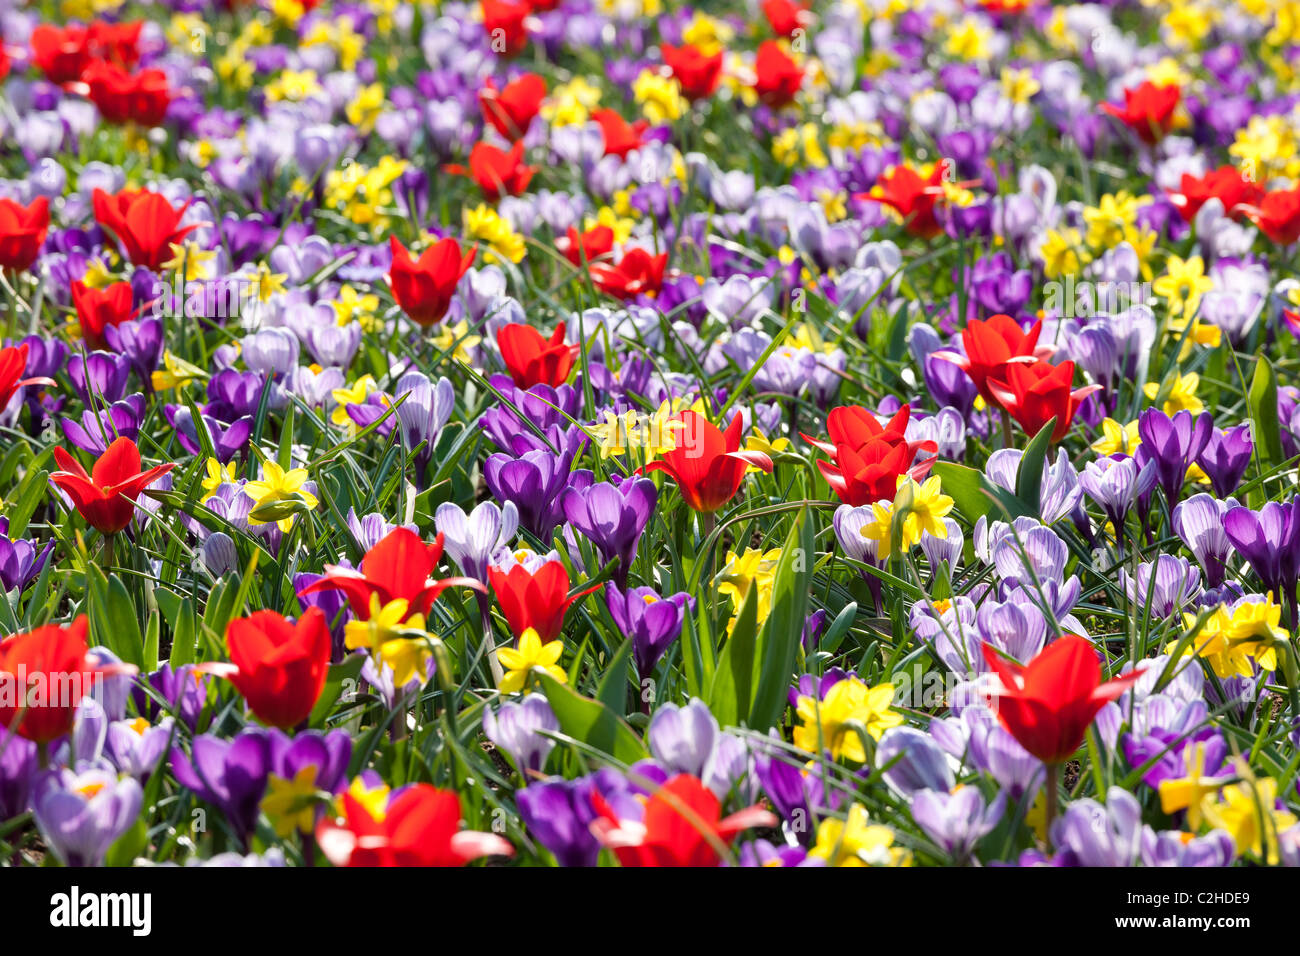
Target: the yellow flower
(175, 373)
(457, 340)
(357, 394)
(855, 842)
(268, 283)
(293, 86)
(1182, 394)
(923, 507)
(503, 243)
(1248, 813)
(660, 97)
(191, 260)
(833, 723)
(291, 804)
(1183, 284)
(1187, 793)
(366, 107)
(1117, 439)
(531, 654)
(278, 492)
(374, 799)
(1019, 86)
(216, 477)
(707, 33)
(754, 568)
(350, 306)
(1254, 629)
(968, 40)
(1114, 216)
(1061, 253)
(570, 104)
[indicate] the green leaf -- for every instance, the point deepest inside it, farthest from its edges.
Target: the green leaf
(113, 621)
(347, 670)
(1263, 421)
(778, 642)
(592, 722)
(732, 688)
(1029, 477)
(612, 690)
(974, 494)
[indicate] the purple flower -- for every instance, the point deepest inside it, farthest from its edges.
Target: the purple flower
(136, 747)
(1226, 457)
(99, 429)
(1173, 444)
(230, 774)
(550, 411)
(20, 563)
(18, 758)
(102, 375)
(227, 440)
(766, 853)
(473, 540)
(518, 729)
(688, 740)
(1116, 483)
(1167, 585)
(422, 410)
(183, 690)
(1269, 539)
(1090, 834)
(535, 482)
(141, 341)
(912, 761)
(82, 814)
(559, 813)
(957, 821)
(613, 517)
(1172, 848)
(652, 622)
(1199, 521)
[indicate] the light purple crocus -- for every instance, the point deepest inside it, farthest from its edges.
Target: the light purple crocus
(1172, 848)
(957, 821)
(423, 408)
(911, 761)
(1090, 834)
(1166, 585)
(473, 541)
(1199, 521)
(82, 814)
(1269, 539)
(1116, 483)
(519, 729)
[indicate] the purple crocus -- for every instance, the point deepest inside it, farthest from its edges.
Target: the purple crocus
(1116, 483)
(423, 408)
(519, 729)
(559, 813)
(136, 746)
(321, 757)
(18, 759)
(1092, 834)
(99, 378)
(229, 774)
(1199, 521)
(1167, 585)
(1226, 457)
(612, 517)
(20, 562)
(228, 440)
(183, 689)
(652, 622)
(141, 341)
(957, 821)
(1270, 540)
(96, 430)
(473, 540)
(82, 814)
(1173, 444)
(913, 762)
(535, 482)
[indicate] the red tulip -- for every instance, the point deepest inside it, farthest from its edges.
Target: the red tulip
(424, 287)
(1278, 216)
(511, 110)
(497, 172)
(707, 463)
(115, 42)
(682, 826)
(621, 137)
(4, 59)
(868, 458)
(913, 198)
(532, 359)
(1225, 184)
(786, 17)
(582, 248)
(1148, 110)
(637, 273)
(538, 600)
(419, 827)
(1035, 394)
(506, 24)
(778, 77)
(991, 345)
(279, 667)
(399, 566)
(97, 309)
(61, 53)
(106, 497)
(144, 222)
(123, 97)
(1049, 705)
(696, 73)
(22, 232)
(13, 362)
(44, 674)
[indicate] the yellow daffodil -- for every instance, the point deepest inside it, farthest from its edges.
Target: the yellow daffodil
(1187, 793)
(503, 243)
(856, 842)
(217, 475)
(1248, 812)
(291, 805)
(1117, 439)
(279, 495)
(531, 655)
(1182, 394)
(832, 724)
(176, 373)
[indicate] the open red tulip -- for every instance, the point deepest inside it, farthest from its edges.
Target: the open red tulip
(423, 287)
(106, 497)
(707, 463)
(532, 359)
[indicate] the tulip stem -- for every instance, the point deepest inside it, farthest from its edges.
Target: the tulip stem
(1053, 797)
(1006, 429)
